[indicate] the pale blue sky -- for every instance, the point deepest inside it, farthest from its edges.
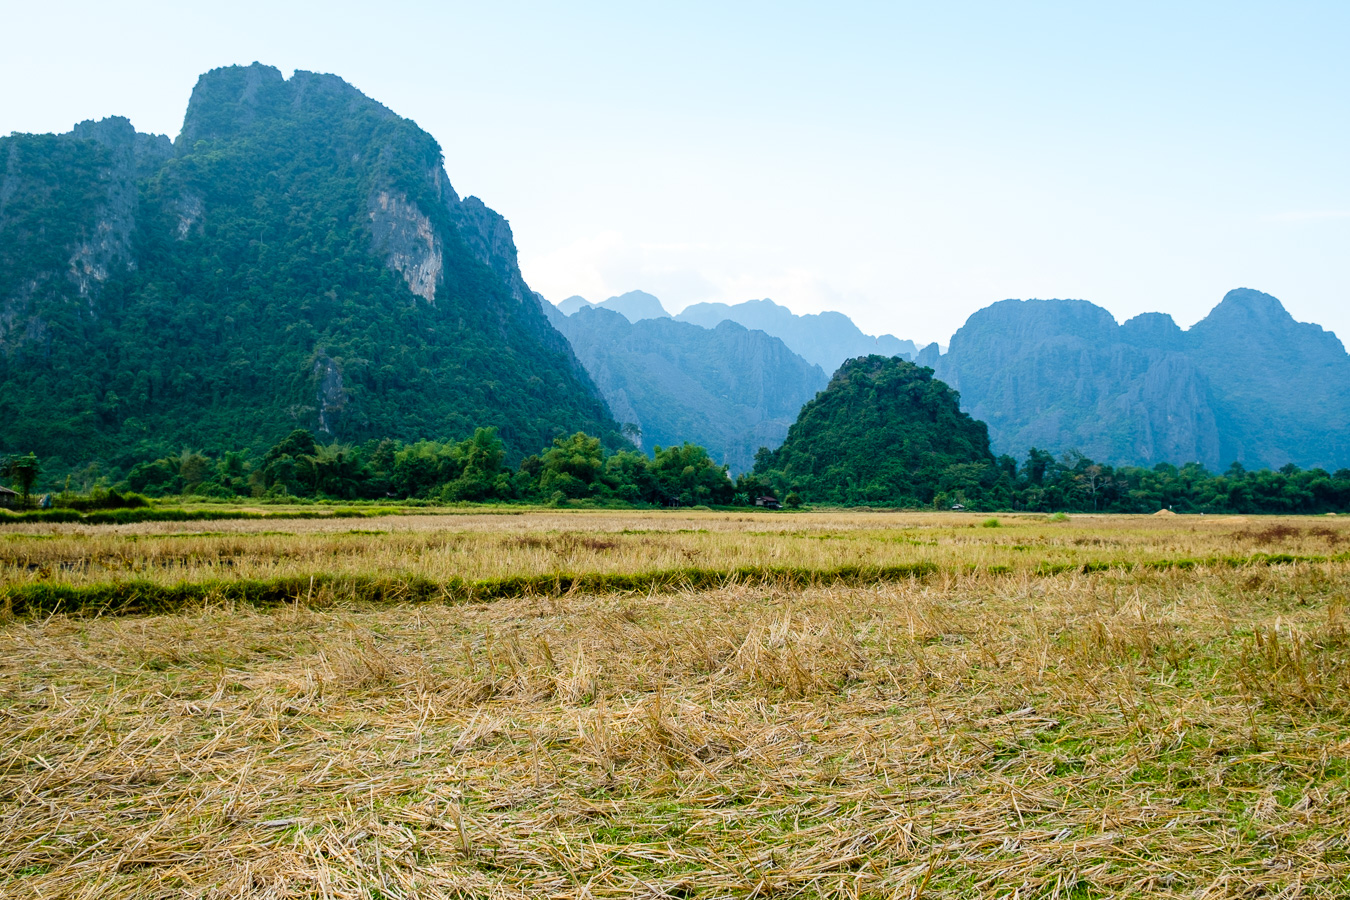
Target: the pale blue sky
(904, 163)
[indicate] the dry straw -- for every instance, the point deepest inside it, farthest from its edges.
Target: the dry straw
(1124, 731)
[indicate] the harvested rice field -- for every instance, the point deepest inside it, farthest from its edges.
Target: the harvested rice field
(677, 704)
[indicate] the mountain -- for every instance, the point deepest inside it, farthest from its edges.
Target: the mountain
(1246, 384)
(1281, 387)
(826, 339)
(296, 258)
(883, 431)
(633, 306)
(728, 388)
(574, 303)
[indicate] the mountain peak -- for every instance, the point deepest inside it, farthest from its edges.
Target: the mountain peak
(636, 306)
(1017, 322)
(1152, 329)
(1245, 307)
(227, 101)
(573, 304)
(1254, 318)
(128, 146)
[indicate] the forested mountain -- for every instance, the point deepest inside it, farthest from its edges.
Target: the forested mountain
(884, 431)
(1247, 384)
(826, 339)
(296, 258)
(728, 389)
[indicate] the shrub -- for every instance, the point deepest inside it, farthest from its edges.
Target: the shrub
(100, 498)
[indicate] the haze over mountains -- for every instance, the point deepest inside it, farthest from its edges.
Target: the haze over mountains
(1247, 384)
(728, 388)
(826, 339)
(731, 378)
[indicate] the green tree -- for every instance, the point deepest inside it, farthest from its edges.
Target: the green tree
(22, 471)
(688, 475)
(574, 467)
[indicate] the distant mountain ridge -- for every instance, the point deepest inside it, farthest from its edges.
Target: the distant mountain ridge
(633, 306)
(1246, 384)
(826, 339)
(730, 389)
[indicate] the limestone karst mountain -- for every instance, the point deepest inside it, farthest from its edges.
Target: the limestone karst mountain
(728, 388)
(826, 339)
(296, 258)
(1247, 384)
(883, 431)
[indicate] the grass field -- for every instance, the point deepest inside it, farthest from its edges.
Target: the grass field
(677, 704)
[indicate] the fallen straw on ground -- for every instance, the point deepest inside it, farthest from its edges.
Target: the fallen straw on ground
(1125, 731)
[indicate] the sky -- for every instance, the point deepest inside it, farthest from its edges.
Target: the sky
(903, 163)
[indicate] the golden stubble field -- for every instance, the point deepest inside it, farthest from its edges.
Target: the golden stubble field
(475, 546)
(1109, 725)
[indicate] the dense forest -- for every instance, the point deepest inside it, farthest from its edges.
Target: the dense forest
(884, 431)
(573, 469)
(579, 470)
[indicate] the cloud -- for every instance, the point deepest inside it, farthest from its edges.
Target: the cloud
(608, 263)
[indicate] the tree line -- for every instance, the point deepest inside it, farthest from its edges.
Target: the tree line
(1075, 483)
(578, 470)
(574, 469)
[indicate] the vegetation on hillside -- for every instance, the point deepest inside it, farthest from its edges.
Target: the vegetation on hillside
(257, 302)
(884, 432)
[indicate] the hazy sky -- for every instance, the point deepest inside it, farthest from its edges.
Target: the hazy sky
(904, 163)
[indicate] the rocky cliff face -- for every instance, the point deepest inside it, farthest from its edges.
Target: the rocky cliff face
(68, 207)
(826, 339)
(1248, 384)
(404, 236)
(298, 258)
(130, 157)
(1281, 388)
(729, 389)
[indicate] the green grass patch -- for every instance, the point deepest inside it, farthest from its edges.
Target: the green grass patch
(142, 597)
